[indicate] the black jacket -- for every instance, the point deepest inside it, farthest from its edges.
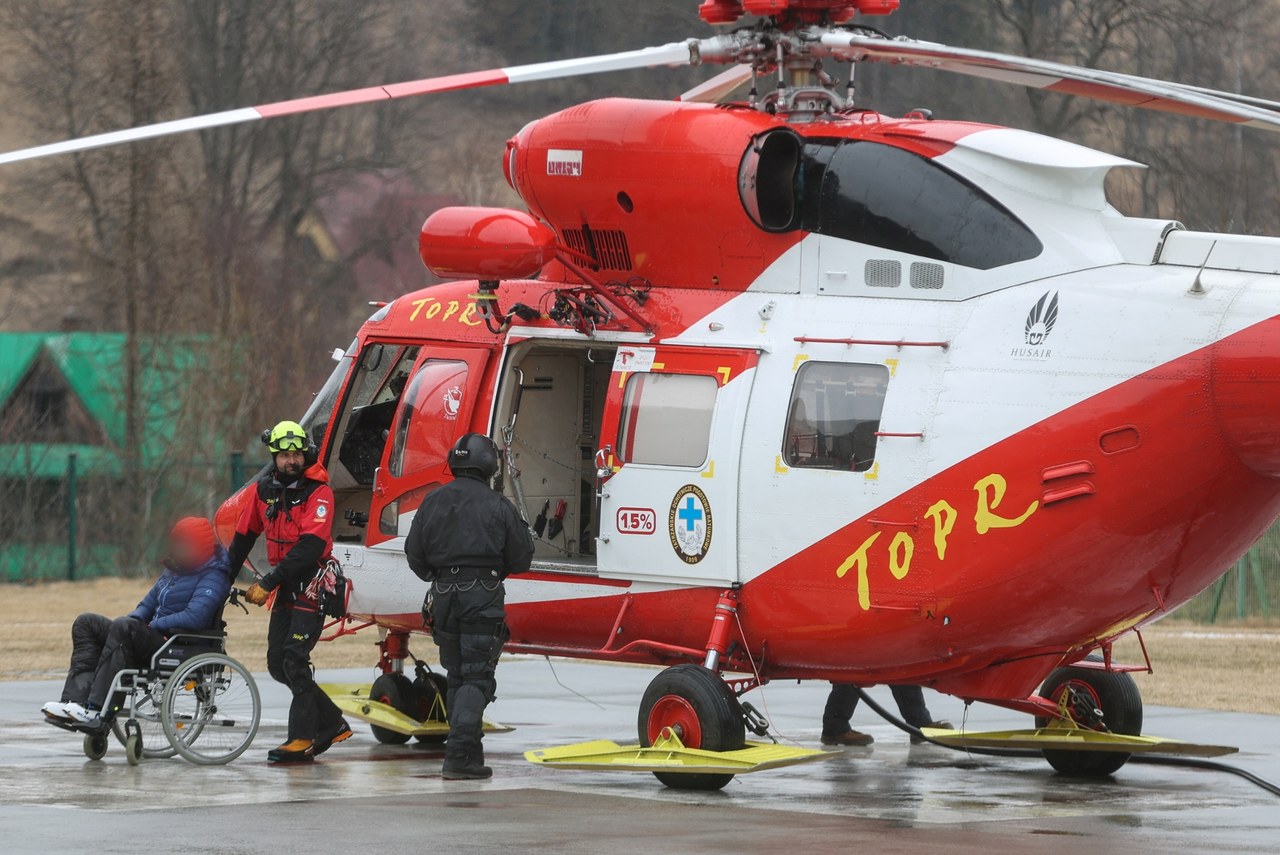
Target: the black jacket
(467, 524)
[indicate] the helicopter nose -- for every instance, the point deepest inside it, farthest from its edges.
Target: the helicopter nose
(1245, 383)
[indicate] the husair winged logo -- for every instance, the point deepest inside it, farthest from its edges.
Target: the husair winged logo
(1040, 321)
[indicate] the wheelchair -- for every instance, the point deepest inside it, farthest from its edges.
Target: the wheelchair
(193, 700)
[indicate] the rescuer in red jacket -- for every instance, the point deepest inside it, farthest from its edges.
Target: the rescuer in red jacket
(293, 506)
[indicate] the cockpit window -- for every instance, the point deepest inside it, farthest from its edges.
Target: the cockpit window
(383, 370)
(882, 196)
(316, 420)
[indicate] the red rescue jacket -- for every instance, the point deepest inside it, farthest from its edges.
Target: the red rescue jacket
(297, 520)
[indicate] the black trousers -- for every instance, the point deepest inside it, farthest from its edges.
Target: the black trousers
(291, 635)
(102, 647)
(469, 626)
(843, 700)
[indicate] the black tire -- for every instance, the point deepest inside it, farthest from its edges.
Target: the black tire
(434, 687)
(133, 748)
(396, 691)
(1117, 696)
(702, 710)
(95, 745)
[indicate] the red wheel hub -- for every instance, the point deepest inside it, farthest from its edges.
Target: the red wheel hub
(678, 714)
(1084, 689)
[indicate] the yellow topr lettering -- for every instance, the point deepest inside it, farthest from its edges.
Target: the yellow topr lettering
(417, 307)
(433, 310)
(900, 552)
(990, 494)
(944, 521)
(451, 311)
(859, 559)
(468, 316)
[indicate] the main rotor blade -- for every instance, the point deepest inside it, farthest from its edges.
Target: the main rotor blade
(676, 53)
(1113, 87)
(719, 87)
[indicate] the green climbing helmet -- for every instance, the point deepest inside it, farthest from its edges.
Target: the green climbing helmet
(286, 436)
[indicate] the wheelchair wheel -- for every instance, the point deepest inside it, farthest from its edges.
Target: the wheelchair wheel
(146, 712)
(133, 743)
(95, 745)
(211, 709)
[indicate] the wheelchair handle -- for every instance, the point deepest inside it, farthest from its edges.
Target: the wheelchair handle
(234, 596)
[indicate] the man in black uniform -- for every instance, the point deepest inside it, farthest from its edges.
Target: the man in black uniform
(465, 539)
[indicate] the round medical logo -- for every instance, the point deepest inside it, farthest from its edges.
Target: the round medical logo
(690, 524)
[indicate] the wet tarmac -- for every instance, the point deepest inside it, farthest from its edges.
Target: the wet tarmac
(890, 798)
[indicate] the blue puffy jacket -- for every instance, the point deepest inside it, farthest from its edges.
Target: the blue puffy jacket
(187, 601)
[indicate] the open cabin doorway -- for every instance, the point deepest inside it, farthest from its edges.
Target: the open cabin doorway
(551, 404)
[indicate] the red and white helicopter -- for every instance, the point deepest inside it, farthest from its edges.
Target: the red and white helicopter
(792, 389)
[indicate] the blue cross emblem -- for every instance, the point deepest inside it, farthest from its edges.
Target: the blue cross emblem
(689, 514)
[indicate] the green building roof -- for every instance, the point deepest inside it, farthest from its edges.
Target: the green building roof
(94, 368)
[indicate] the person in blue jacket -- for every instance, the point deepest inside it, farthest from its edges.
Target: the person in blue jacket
(187, 596)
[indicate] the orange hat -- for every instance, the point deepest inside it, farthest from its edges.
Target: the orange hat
(196, 532)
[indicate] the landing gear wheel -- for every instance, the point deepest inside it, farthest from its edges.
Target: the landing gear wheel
(1089, 692)
(396, 691)
(132, 742)
(431, 694)
(700, 709)
(95, 745)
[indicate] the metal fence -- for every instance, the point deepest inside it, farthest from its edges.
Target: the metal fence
(84, 524)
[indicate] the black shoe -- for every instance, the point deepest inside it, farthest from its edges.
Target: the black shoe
(340, 732)
(466, 773)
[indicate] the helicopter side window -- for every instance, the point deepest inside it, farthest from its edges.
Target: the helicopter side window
(434, 395)
(666, 419)
(884, 196)
(834, 416)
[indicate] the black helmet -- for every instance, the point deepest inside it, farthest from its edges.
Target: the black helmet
(474, 453)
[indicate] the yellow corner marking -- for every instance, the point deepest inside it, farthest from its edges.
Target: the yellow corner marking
(724, 371)
(622, 379)
(873, 474)
(893, 367)
(711, 470)
(800, 357)
(658, 366)
(778, 465)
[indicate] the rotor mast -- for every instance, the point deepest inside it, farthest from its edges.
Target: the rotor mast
(786, 44)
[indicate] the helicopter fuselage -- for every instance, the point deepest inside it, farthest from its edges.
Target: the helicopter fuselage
(910, 394)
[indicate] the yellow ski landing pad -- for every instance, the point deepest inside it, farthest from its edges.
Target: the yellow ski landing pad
(1075, 739)
(668, 754)
(354, 700)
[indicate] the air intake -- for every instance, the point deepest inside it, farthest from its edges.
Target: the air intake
(927, 275)
(607, 246)
(882, 273)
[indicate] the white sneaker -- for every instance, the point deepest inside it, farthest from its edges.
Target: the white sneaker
(56, 709)
(81, 715)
